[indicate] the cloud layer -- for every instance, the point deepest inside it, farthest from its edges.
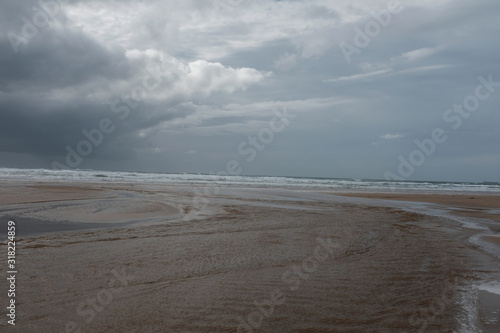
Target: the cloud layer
(184, 82)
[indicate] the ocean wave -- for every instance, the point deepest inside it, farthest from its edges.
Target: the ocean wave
(83, 175)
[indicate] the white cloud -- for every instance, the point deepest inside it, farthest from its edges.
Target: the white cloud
(420, 53)
(371, 75)
(392, 136)
(361, 77)
(260, 113)
(425, 68)
(180, 80)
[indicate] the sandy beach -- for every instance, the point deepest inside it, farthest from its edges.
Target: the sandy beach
(480, 206)
(155, 258)
(245, 166)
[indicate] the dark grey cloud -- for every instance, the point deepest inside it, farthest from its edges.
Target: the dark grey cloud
(59, 59)
(206, 76)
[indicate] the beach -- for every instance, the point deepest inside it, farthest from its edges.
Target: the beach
(237, 166)
(117, 257)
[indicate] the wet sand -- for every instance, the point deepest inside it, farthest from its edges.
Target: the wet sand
(242, 260)
(49, 208)
(473, 205)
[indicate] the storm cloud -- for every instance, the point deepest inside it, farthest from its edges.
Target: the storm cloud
(183, 83)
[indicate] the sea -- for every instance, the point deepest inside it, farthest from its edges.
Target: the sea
(383, 262)
(337, 184)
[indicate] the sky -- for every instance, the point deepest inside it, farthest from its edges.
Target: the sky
(405, 90)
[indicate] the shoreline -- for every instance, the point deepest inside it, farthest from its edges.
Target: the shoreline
(211, 263)
(471, 205)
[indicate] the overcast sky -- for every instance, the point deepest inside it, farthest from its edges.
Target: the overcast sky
(183, 86)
